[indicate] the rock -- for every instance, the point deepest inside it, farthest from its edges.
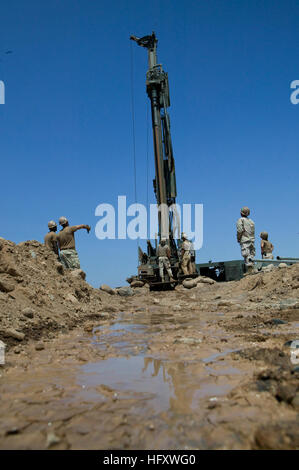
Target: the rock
(7, 266)
(39, 346)
(6, 286)
(107, 289)
(14, 334)
(125, 291)
(282, 265)
(28, 312)
(33, 254)
(137, 284)
(78, 274)
(189, 283)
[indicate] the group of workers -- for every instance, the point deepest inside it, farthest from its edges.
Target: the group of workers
(63, 242)
(246, 238)
(186, 258)
(63, 245)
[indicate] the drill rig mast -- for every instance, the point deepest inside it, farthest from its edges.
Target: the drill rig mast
(165, 180)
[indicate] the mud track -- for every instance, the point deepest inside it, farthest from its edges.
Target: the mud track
(157, 376)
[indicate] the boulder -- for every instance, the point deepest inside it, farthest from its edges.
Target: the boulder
(282, 265)
(125, 291)
(107, 289)
(189, 283)
(137, 284)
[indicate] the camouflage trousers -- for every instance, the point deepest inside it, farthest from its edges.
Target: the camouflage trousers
(248, 252)
(70, 259)
(164, 262)
(186, 263)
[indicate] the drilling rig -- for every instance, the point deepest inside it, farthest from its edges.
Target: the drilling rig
(165, 180)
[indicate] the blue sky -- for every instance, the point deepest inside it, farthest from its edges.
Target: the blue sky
(66, 128)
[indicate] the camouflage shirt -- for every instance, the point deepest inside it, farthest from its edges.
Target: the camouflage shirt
(245, 230)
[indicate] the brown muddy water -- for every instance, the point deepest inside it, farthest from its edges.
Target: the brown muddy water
(149, 380)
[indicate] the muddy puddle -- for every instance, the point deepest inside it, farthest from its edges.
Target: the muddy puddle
(150, 380)
(160, 382)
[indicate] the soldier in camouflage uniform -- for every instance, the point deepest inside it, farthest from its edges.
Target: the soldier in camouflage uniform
(51, 237)
(246, 238)
(186, 262)
(163, 254)
(66, 241)
(266, 246)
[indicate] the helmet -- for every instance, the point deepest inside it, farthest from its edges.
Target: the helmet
(264, 235)
(245, 211)
(52, 224)
(184, 236)
(63, 221)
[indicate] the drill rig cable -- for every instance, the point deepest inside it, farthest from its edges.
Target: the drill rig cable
(147, 154)
(133, 127)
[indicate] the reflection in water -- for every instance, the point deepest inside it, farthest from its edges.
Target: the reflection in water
(177, 386)
(174, 374)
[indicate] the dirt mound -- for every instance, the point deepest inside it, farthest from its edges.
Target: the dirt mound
(39, 297)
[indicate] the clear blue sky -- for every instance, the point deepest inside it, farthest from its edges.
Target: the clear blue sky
(66, 128)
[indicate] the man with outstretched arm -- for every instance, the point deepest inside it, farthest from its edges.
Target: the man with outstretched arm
(66, 241)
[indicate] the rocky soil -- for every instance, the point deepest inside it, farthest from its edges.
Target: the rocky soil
(206, 366)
